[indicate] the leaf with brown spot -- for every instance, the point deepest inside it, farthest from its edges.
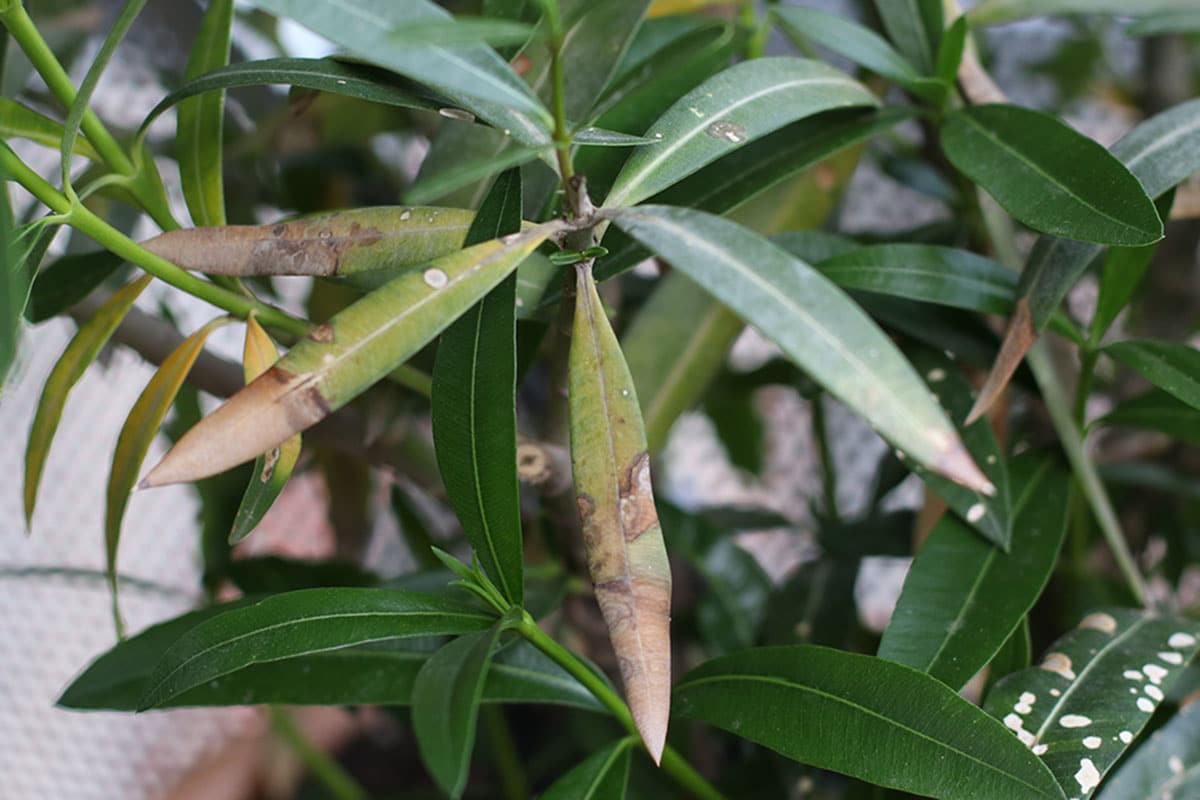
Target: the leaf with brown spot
(342, 243)
(626, 555)
(1019, 337)
(362, 343)
(272, 470)
(80, 353)
(139, 430)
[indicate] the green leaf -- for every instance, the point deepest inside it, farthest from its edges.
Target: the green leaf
(19, 122)
(272, 470)
(472, 76)
(1020, 157)
(993, 12)
(1015, 654)
(815, 324)
(71, 365)
(1094, 691)
(1156, 410)
(866, 717)
(963, 597)
(342, 358)
(929, 273)
(15, 278)
(915, 26)
(201, 120)
(298, 624)
(627, 560)
(360, 81)
(67, 281)
(1124, 268)
(1167, 765)
(466, 30)
(468, 171)
(601, 776)
(474, 407)
(446, 698)
(950, 51)
(1166, 22)
(1174, 368)
(859, 44)
(599, 137)
(990, 515)
(139, 430)
(815, 247)
(745, 102)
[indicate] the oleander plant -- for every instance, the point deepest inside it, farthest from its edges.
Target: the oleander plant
(472, 333)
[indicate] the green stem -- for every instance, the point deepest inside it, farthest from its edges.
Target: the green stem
(44, 61)
(513, 784)
(562, 136)
(1044, 373)
(339, 784)
(828, 470)
(672, 763)
(1083, 390)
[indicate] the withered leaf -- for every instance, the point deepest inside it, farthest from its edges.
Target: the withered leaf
(626, 555)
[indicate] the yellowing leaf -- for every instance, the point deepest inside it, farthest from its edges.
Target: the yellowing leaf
(626, 555)
(74, 361)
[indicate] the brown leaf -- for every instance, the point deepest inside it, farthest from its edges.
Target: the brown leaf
(1017, 340)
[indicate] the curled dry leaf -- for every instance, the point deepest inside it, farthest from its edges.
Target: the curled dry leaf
(341, 358)
(273, 469)
(342, 243)
(626, 555)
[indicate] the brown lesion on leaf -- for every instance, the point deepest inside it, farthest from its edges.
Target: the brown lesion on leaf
(638, 514)
(322, 334)
(586, 505)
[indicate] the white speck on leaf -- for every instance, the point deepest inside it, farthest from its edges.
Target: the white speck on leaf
(1099, 622)
(976, 512)
(1132, 674)
(1088, 776)
(1154, 693)
(1092, 742)
(1075, 721)
(1125, 736)
(1180, 640)
(435, 278)
(1175, 764)
(1145, 704)
(1171, 658)
(1057, 662)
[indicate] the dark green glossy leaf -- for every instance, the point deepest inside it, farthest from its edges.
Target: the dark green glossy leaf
(950, 51)
(466, 172)
(859, 44)
(815, 324)
(1094, 691)
(963, 597)
(1166, 766)
(866, 717)
(446, 698)
(275, 574)
(601, 776)
(942, 275)
(1123, 270)
(1174, 368)
(1050, 177)
(471, 75)
(1015, 654)
(464, 30)
(201, 120)
(1156, 410)
(474, 407)
(915, 26)
(745, 102)
(67, 281)
(814, 247)
(599, 137)
(300, 623)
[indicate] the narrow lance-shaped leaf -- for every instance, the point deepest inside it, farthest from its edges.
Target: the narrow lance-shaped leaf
(139, 431)
(1123, 270)
(815, 324)
(446, 699)
(1157, 410)
(731, 108)
(472, 75)
(343, 357)
(866, 717)
(1166, 766)
(915, 26)
(14, 286)
(1160, 152)
(626, 556)
(1094, 691)
(1048, 176)
(71, 365)
(601, 776)
(993, 12)
(474, 407)
(964, 597)
(201, 120)
(20, 122)
(273, 469)
(342, 243)
(67, 281)
(1174, 368)
(300, 623)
